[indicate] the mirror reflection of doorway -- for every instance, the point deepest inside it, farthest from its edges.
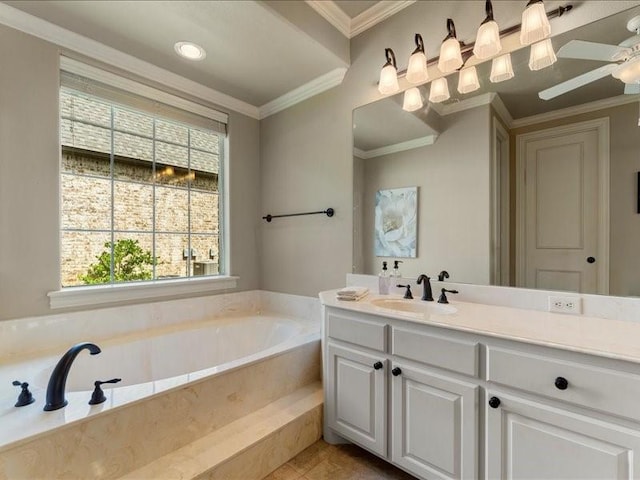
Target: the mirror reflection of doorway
(564, 245)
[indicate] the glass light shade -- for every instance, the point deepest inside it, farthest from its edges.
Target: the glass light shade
(487, 41)
(468, 80)
(450, 55)
(535, 24)
(417, 69)
(501, 68)
(412, 100)
(388, 80)
(439, 90)
(542, 55)
(628, 72)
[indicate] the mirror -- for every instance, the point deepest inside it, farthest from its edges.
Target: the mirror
(504, 177)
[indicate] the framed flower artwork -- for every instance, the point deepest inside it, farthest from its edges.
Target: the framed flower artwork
(396, 222)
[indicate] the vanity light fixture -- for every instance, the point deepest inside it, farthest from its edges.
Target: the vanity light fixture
(417, 68)
(450, 54)
(439, 90)
(468, 80)
(190, 51)
(389, 74)
(542, 55)
(488, 38)
(501, 68)
(535, 23)
(412, 100)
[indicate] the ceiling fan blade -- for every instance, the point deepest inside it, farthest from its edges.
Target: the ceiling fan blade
(632, 88)
(589, 51)
(577, 82)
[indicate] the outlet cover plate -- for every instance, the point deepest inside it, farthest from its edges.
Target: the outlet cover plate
(568, 304)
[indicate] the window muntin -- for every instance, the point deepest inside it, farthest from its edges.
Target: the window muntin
(138, 183)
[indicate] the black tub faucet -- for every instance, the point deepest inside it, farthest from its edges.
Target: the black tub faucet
(58, 379)
(427, 294)
(442, 275)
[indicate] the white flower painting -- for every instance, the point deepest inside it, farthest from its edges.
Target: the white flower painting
(396, 222)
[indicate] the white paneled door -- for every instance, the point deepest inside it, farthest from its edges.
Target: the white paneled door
(563, 208)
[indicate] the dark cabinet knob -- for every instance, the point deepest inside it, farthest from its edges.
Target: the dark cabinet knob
(494, 402)
(396, 371)
(377, 365)
(591, 260)
(561, 383)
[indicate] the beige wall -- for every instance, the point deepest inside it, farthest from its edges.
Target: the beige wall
(29, 180)
(624, 258)
(453, 179)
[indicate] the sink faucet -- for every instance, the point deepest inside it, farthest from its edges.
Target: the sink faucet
(427, 294)
(58, 379)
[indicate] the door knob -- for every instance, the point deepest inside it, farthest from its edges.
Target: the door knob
(396, 371)
(377, 365)
(494, 402)
(591, 260)
(561, 383)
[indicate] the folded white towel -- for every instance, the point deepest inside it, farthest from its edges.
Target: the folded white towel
(353, 291)
(351, 298)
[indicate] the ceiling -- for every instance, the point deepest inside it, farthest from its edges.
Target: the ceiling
(353, 8)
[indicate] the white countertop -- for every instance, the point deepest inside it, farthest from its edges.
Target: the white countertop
(596, 336)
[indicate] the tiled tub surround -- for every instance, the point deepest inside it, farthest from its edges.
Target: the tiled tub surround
(143, 421)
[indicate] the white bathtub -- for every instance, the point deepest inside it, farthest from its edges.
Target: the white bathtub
(148, 363)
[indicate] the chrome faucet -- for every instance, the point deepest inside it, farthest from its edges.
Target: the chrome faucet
(58, 379)
(427, 294)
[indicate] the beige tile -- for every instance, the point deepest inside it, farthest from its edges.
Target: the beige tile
(285, 472)
(310, 457)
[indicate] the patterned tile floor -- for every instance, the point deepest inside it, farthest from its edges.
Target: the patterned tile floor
(322, 461)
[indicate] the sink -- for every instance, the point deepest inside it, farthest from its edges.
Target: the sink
(413, 306)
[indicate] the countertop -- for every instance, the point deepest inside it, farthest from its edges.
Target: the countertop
(614, 339)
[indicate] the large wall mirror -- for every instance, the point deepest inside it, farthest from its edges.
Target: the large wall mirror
(514, 190)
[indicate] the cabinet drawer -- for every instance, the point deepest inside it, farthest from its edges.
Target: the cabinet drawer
(357, 331)
(594, 387)
(456, 355)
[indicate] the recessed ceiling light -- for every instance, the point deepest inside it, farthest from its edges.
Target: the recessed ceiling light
(190, 50)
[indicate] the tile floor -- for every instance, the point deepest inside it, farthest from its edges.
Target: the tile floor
(322, 461)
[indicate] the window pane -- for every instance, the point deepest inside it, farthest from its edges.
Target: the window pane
(133, 257)
(172, 210)
(204, 181)
(205, 162)
(170, 250)
(86, 203)
(86, 163)
(168, 154)
(133, 206)
(87, 137)
(204, 212)
(133, 169)
(132, 146)
(207, 255)
(132, 122)
(172, 132)
(204, 140)
(85, 108)
(80, 264)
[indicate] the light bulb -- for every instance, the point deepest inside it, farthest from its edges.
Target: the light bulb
(439, 90)
(190, 50)
(501, 68)
(629, 71)
(417, 69)
(450, 55)
(535, 24)
(412, 100)
(487, 41)
(468, 80)
(542, 55)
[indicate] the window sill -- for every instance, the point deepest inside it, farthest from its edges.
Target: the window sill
(110, 294)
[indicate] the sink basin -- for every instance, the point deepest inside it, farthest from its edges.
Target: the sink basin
(413, 306)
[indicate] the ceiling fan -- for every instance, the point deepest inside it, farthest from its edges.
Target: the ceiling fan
(624, 58)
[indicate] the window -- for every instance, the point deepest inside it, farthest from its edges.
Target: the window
(141, 188)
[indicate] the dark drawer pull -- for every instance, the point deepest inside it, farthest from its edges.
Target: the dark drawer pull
(377, 365)
(494, 402)
(396, 371)
(561, 383)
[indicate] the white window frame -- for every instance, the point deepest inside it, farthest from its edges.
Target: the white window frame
(82, 296)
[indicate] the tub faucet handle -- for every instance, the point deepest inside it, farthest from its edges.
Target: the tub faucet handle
(98, 395)
(25, 398)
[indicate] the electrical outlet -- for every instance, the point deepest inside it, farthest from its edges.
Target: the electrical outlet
(565, 305)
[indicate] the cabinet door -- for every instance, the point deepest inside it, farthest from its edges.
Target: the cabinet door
(531, 440)
(434, 423)
(356, 397)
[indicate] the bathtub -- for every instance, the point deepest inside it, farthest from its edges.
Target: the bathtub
(149, 363)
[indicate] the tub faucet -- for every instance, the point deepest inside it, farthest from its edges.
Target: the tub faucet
(427, 294)
(58, 379)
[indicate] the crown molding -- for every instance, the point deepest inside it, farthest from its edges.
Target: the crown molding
(308, 90)
(576, 110)
(333, 14)
(395, 148)
(376, 14)
(32, 25)
(350, 27)
(501, 110)
(473, 102)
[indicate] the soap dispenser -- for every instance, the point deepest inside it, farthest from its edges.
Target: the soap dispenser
(396, 276)
(384, 280)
